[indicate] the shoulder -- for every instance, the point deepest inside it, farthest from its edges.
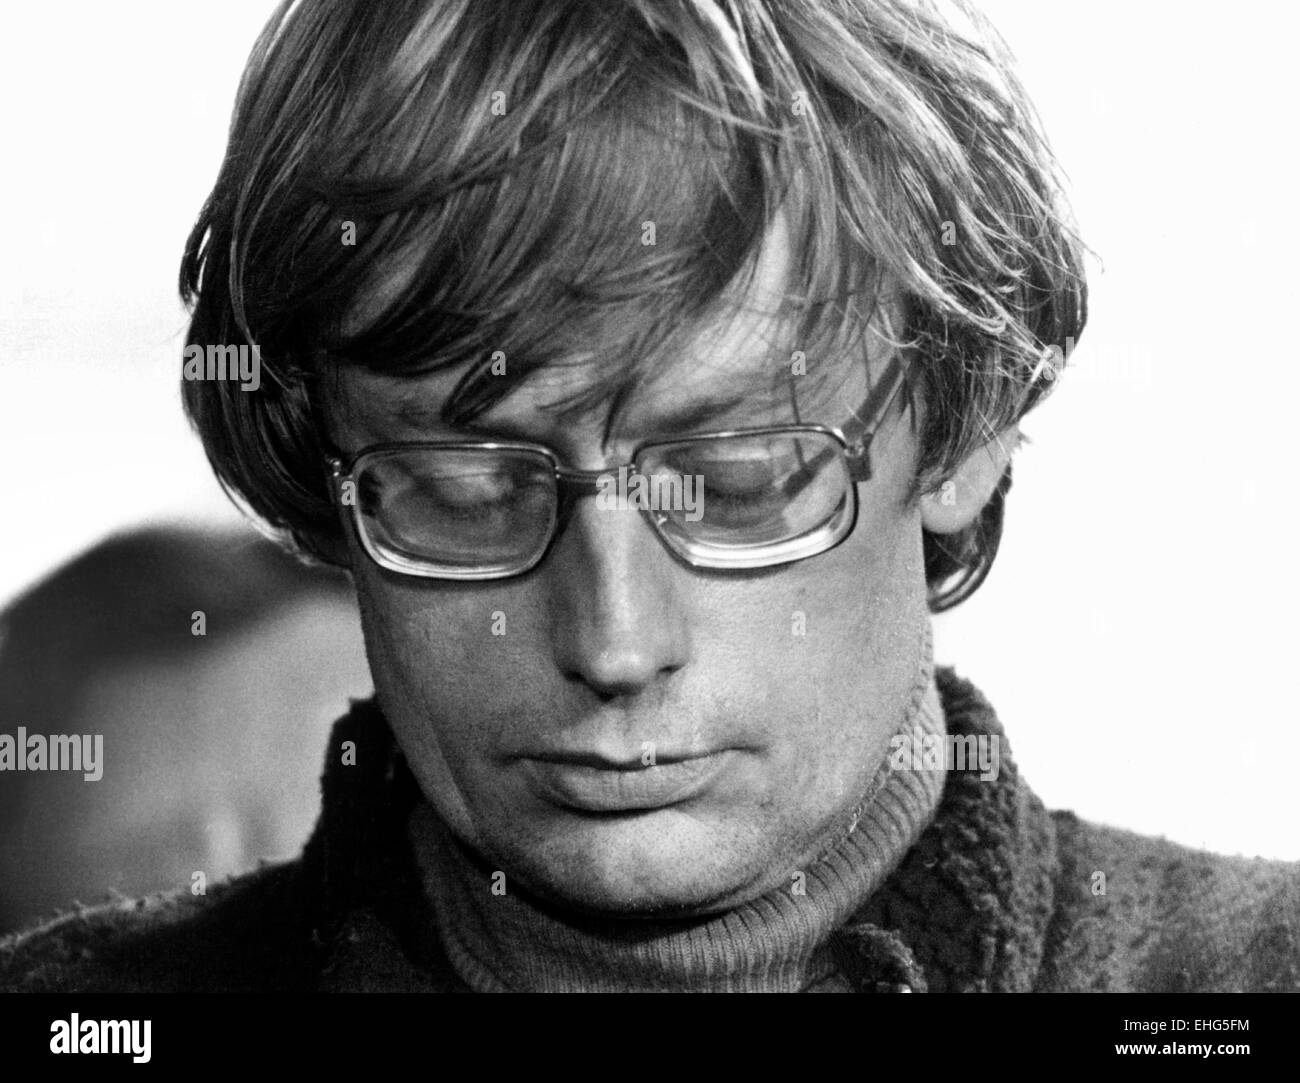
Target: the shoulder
(1138, 913)
(249, 933)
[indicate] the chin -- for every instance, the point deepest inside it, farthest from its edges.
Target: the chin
(654, 863)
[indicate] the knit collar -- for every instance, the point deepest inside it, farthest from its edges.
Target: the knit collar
(971, 903)
(967, 908)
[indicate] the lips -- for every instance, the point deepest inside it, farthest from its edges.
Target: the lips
(591, 783)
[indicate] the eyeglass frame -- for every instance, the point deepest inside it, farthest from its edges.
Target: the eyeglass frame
(571, 484)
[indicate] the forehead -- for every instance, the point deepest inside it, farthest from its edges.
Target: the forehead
(741, 366)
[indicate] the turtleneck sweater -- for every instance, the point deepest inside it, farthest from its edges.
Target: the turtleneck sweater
(995, 895)
(777, 942)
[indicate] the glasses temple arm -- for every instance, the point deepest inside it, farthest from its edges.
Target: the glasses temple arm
(862, 426)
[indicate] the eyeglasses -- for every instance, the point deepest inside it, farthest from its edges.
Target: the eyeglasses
(736, 500)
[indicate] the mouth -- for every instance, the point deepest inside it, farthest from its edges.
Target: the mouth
(592, 783)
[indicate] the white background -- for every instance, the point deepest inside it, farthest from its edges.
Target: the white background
(1136, 635)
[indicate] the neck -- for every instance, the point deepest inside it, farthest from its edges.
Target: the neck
(776, 942)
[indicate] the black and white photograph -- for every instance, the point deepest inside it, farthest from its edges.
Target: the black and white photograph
(517, 496)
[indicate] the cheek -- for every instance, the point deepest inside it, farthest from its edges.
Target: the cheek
(826, 625)
(435, 653)
(839, 657)
(823, 627)
(437, 639)
(433, 648)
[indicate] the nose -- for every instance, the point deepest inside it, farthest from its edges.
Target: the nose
(618, 602)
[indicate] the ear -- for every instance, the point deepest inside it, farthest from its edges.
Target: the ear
(956, 503)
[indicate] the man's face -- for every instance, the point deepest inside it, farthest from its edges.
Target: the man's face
(529, 707)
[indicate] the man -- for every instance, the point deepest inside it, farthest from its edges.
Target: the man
(655, 368)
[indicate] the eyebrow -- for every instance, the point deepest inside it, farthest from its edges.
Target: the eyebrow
(694, 416)
(416, 412)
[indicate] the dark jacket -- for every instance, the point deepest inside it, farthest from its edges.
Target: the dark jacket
(997, 894)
